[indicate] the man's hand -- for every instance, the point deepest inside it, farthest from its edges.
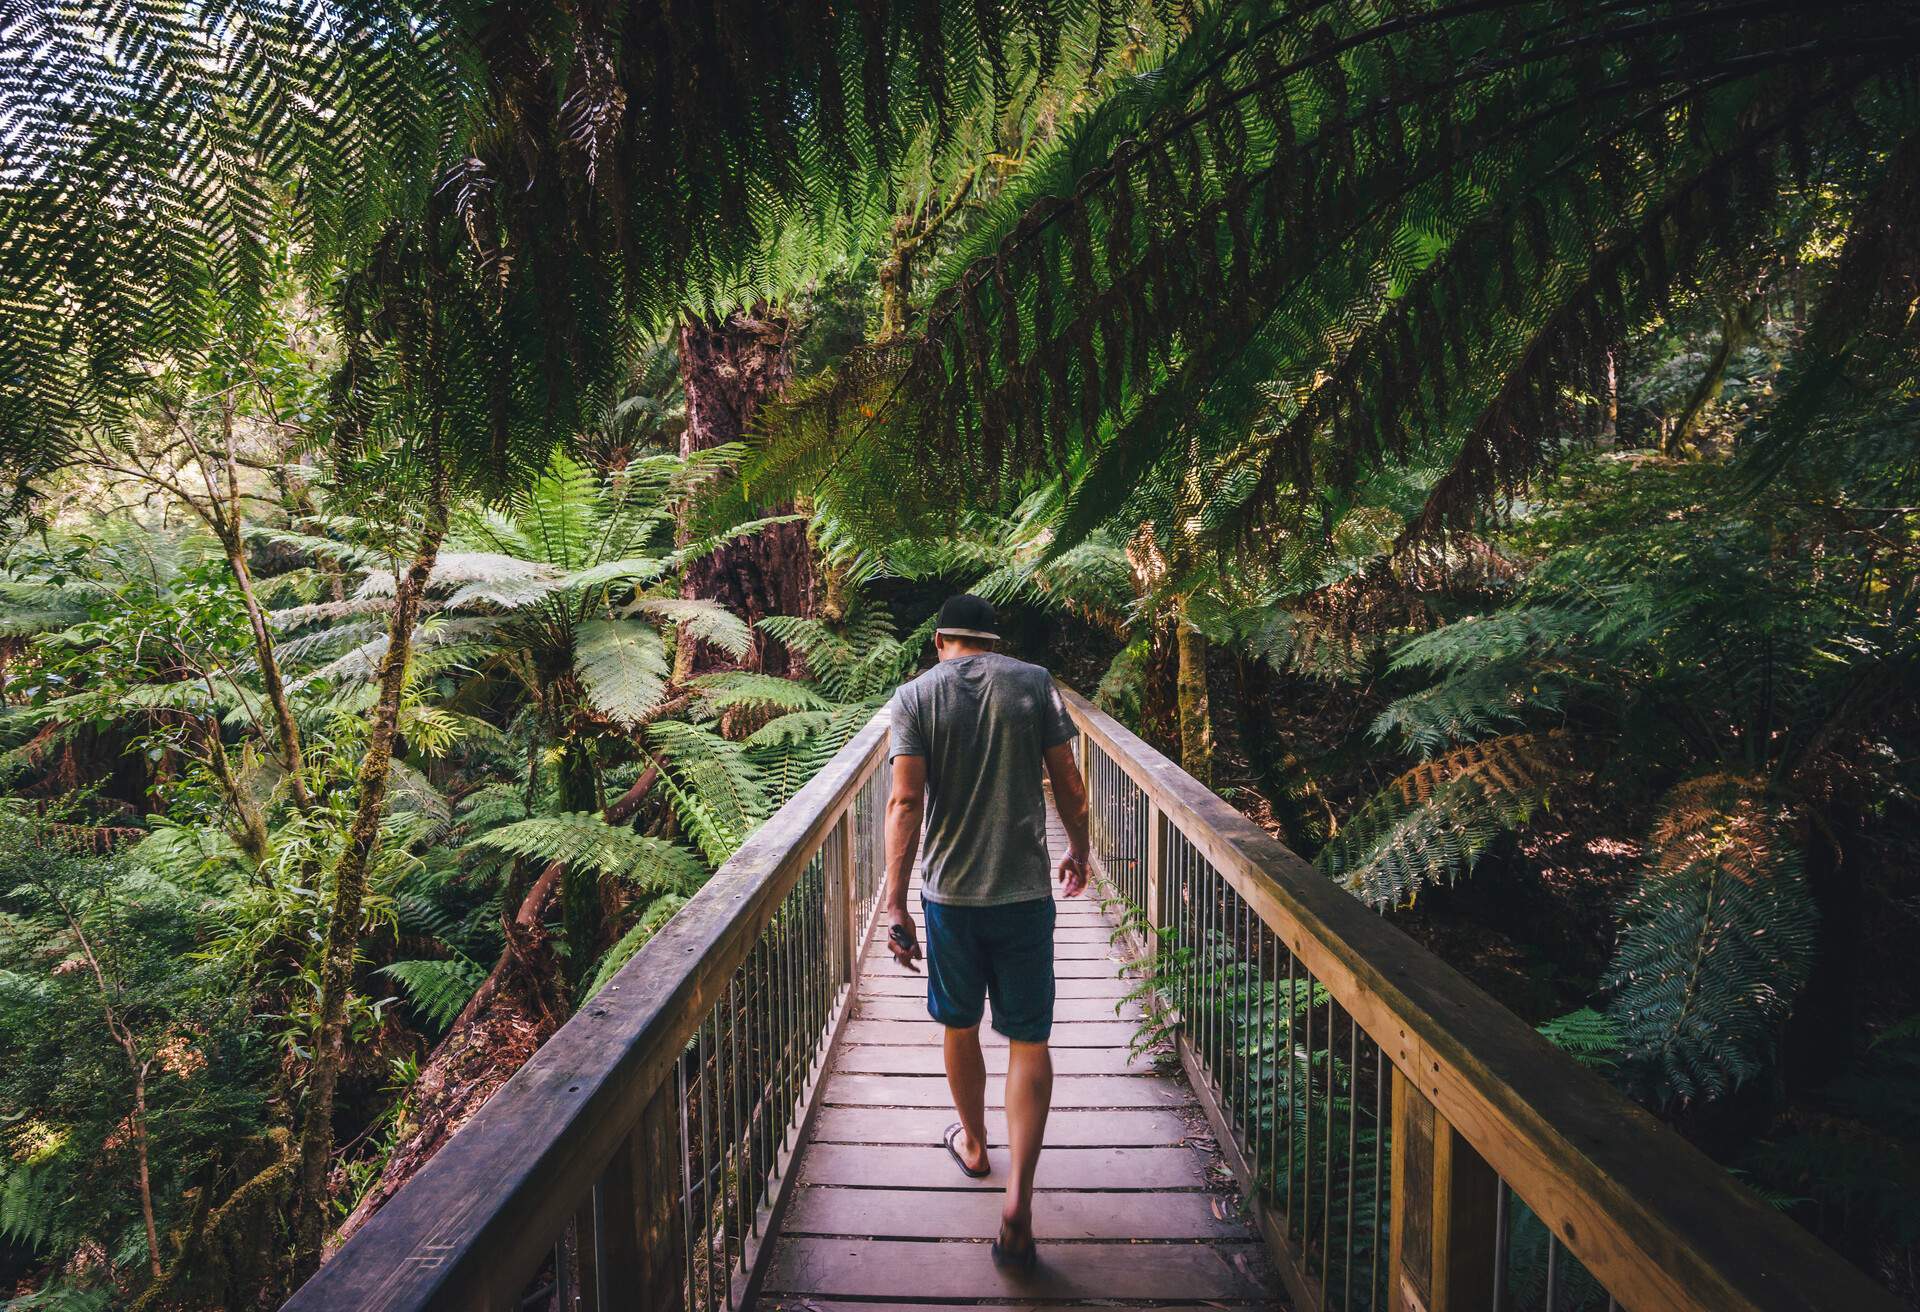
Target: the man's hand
(1073, 874)
(902, 939)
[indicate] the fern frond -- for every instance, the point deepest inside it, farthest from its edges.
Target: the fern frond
(1716, 941)
(622, 664)
(437, 989)
(1432, 823)
(582, 840)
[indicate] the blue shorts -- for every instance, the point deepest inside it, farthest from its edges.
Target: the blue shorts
(1004, 952)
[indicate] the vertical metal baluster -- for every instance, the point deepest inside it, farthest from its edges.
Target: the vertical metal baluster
(1240, 973)
(686, 1178)
(1293, 964)
(1326, 1169)
(1501, 1221)
(1216, 981)
(1353, 1151)
(1306, 1138)
(740, 1140)
(782, 1051)
(747, 1183)
(1257, 1043)
(1379, 1156)
(706, 1162)
(1553, 1271)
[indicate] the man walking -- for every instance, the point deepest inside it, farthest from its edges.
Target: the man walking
(969, 740)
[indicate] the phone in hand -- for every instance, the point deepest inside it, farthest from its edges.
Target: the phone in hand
(903, 939)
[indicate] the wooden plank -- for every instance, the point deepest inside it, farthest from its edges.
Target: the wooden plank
(1064, 1009)
(1128, 1128)
(1080, 947)
(807, 1303)
(475, 1221)
(1657, 1222)
(1066, 1034)
(904, 985)
(973, 1214)
(925, 1059)
(879, 1268)
(931, 1169)
(1062, 969)
(1068, 1091)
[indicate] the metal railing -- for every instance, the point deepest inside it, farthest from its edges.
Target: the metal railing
(1402, 1139)
(641, 1157)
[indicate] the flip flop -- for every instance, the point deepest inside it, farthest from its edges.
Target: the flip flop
(953, 1132)
(1017, 1260)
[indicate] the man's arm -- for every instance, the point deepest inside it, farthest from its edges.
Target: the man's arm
(906, 804)
(1070, 800)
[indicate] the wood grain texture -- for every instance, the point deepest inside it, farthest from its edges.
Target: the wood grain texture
(929, 1167)
(1059, 1214)
(1066, 1034)
(925, 1059)
(879, 1268)
(1068, 1091)
(1656, 1221)
(1103, 1128)
(1065, 1010)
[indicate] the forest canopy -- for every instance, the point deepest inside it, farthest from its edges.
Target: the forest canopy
(469, 465)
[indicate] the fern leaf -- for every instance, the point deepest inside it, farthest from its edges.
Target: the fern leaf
(705, 620)
(622, 664)
(1716, 943)
(437, 989)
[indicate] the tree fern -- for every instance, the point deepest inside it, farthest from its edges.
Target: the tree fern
(622, 664)
(1432, 823)
(1716, 941)
(437, 989)
(715, 787)
(582, 840)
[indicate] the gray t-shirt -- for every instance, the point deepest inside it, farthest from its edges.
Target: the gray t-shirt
(982, 723)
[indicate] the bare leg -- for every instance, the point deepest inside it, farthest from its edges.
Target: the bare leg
(1029, 1098)
(967, 1079)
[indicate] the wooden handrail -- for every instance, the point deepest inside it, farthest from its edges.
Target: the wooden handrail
(478, 1218)
(1656, 1221)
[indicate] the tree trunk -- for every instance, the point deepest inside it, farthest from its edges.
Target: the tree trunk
(580, 914)
(729, 369)
(1738, 324)
(1196, 722)
(350, 887)
(270, 677)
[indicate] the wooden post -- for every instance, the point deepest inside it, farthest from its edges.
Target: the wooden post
(1445, 1198)
(641, 1249)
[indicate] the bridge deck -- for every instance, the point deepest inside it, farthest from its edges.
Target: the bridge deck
(1132, 1204)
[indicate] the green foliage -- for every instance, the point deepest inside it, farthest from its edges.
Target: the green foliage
(1588, 1036)
(584, 841)
(1326, 217)
(656, 915)
(437, 989)
(1718, 939)
(1433, 823)
(102, 979)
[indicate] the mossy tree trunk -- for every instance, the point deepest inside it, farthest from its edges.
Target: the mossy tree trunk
(1196, 719)
(350, 886)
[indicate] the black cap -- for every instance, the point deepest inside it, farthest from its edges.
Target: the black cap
(968, 616)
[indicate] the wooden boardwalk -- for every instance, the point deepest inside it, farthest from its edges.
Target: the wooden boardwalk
(1130, 1207)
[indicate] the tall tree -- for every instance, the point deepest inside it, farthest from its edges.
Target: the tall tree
(729, 368)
